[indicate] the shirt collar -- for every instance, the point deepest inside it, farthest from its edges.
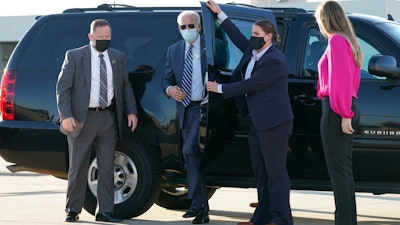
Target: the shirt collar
(195, 44)
(258, 54)
(95, 53)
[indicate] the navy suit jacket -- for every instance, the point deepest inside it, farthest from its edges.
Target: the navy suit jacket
(174, 70)
(267, 98)
(74, 83)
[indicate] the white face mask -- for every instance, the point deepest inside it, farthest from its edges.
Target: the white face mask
(189, 35)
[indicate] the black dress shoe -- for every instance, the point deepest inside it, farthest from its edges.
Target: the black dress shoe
(200, 219)
(108, 217)
(72, 217)
(192, 213)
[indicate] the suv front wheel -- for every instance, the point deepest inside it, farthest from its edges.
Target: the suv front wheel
(137, 180)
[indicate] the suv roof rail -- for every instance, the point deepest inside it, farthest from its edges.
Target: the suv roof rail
(287, 10)
(274, 9)
(242, 4)
(102, 7)
(122, 7)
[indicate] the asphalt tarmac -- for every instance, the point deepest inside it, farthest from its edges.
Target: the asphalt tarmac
(33, 199)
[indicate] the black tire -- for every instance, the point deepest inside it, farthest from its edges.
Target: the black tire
(173, 197)
(138, 165)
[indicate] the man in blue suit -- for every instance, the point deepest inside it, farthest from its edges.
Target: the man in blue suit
(260, 80)
(184, 81)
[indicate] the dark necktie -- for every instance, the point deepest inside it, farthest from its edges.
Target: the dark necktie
(187, 76)
(103, 100)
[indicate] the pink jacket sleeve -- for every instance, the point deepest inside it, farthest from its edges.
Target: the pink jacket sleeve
(340, 75)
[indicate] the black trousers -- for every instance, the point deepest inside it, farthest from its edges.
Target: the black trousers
(338, 150)
(268, 151)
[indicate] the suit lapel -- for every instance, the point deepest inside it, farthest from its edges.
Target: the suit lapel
(203, 58)
(241, 68)
(114, 64)
(243, 64)
(271, 50)
(87, 68)
(181, 60)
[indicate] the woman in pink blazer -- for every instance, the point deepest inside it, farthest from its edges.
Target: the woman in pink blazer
(338, 83)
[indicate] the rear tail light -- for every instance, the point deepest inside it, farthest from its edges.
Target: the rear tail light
(7, 95)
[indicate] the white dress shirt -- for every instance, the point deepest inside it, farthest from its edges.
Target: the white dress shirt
(197, 79)
(95, 82)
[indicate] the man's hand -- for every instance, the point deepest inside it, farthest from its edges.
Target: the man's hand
(132, 121)
(176, 93)
(214, 7)
(69, 124)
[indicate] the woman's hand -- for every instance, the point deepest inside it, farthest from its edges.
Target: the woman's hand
(214, 7)
(212, 86)
(346, 126)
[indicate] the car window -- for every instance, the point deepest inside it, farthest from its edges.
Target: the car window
(136, 43)
(368, 51)
(227, 54)
(140, 43)
(393, 29)
(315, 47)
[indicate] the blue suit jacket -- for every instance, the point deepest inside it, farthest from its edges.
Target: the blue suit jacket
(174, 70)
(267, 98)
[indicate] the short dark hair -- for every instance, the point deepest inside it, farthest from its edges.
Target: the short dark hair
(98, 23)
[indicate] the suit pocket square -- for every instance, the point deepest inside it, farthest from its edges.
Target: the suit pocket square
(74, 133)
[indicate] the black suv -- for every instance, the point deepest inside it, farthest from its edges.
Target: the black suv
(149, 165)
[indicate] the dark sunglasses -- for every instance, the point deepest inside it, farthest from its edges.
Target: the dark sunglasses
(183, 27)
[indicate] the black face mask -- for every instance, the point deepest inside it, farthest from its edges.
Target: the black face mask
(257, 42)
(102, 45)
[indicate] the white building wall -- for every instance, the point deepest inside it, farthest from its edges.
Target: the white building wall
(372, 7)
(393, 7)
(12, 29)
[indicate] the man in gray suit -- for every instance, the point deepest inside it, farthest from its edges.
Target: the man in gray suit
(93, 93)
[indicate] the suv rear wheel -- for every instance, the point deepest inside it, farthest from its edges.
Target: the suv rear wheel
(137, 180)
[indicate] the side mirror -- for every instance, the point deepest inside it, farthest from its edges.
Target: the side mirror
(384, 66)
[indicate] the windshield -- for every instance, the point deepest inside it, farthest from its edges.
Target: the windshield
(393, 29)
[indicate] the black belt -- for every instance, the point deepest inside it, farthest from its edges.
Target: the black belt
(192, 103)
(98, 109)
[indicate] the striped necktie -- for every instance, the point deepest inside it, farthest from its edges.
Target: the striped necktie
(187, 76)
(103, 100)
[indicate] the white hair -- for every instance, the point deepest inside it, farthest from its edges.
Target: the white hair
(192, 13)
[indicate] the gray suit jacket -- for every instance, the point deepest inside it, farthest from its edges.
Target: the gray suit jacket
(74, 82)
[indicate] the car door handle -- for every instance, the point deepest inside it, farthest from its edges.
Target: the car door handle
(306, 100)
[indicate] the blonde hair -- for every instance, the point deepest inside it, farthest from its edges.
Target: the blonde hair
(332, 19)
